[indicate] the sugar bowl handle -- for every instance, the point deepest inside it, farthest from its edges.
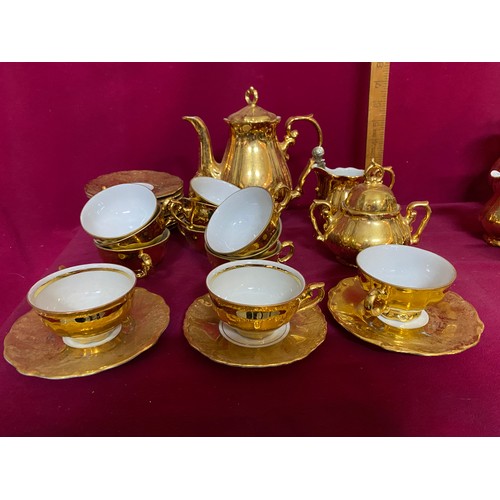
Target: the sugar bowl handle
(327, 209)
(411, 214)
(308, 298)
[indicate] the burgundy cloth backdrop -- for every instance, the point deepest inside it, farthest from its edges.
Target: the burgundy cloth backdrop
(63, 124)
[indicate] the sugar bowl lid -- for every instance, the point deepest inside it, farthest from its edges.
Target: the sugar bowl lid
(372, 197)
(252, 113)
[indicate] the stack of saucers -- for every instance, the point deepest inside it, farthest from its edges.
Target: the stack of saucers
(247, 225)
(192, 213)
(128, 226)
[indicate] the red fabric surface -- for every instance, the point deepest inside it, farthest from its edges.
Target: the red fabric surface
(62, 125)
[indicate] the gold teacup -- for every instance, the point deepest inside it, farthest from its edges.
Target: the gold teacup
(147, 235)
(246, 222)
(401, 282)
(142, 259)
(256, 297)
(279, 252)
(85, 305)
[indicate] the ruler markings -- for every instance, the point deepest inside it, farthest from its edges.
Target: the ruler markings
(377, 109)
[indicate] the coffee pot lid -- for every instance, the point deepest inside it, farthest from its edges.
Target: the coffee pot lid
(372, 197)
(252, 113)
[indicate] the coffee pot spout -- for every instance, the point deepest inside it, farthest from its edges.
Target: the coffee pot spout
(208, 166)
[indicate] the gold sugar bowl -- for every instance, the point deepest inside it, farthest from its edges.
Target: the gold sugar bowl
(369, 216)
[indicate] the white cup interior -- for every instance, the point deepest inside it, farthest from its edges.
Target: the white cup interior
(255, 282)
(81, 288)
(118, 211)
(239, 220)
(214, 191)
(406, 266)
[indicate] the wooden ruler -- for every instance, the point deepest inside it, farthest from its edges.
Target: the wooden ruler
(377, 109)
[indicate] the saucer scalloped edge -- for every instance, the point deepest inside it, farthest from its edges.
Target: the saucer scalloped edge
(201, 329)
(33, 349)
(453, 326)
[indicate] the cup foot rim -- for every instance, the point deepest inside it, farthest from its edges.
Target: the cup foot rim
(421, 320)
(235, 337)
(71, 342)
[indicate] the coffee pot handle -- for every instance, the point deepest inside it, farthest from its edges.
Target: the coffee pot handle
(411, 214)
(327, 208)
(290, 136)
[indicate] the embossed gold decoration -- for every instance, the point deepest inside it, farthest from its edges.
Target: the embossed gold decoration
(201, 329)
(33, 349)
(453, 326)
(253, 155)
(163, 183)
(368, 216)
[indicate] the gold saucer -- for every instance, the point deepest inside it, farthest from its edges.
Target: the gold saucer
(201, 329)
(33, 349)
(453, 326)
(163, 183)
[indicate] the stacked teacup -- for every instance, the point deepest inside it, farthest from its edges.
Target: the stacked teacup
(128, 226)
(247, 225)
(193, 212)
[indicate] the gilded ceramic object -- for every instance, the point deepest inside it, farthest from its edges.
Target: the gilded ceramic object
(141, 258)
(255, 212)
(257, 296)
(146, 235)
(490, 214)
(279, 252)
(194, 237)
(162, 184)
(402, 281)
(334, 185)
(253, 154)
(201, 329)
(453, 326)
(35, 350)
(369, 216)
(84, 303)
(191, 212)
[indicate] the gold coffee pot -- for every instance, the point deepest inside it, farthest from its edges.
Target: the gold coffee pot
(369, 216)
(253, 155)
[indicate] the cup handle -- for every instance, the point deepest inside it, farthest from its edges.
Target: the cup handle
(174, 208)
(327, 207)
(375, 302)
(146, 265)
(411, 214)
(307, 298)
(286, 245)
(282, 195)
